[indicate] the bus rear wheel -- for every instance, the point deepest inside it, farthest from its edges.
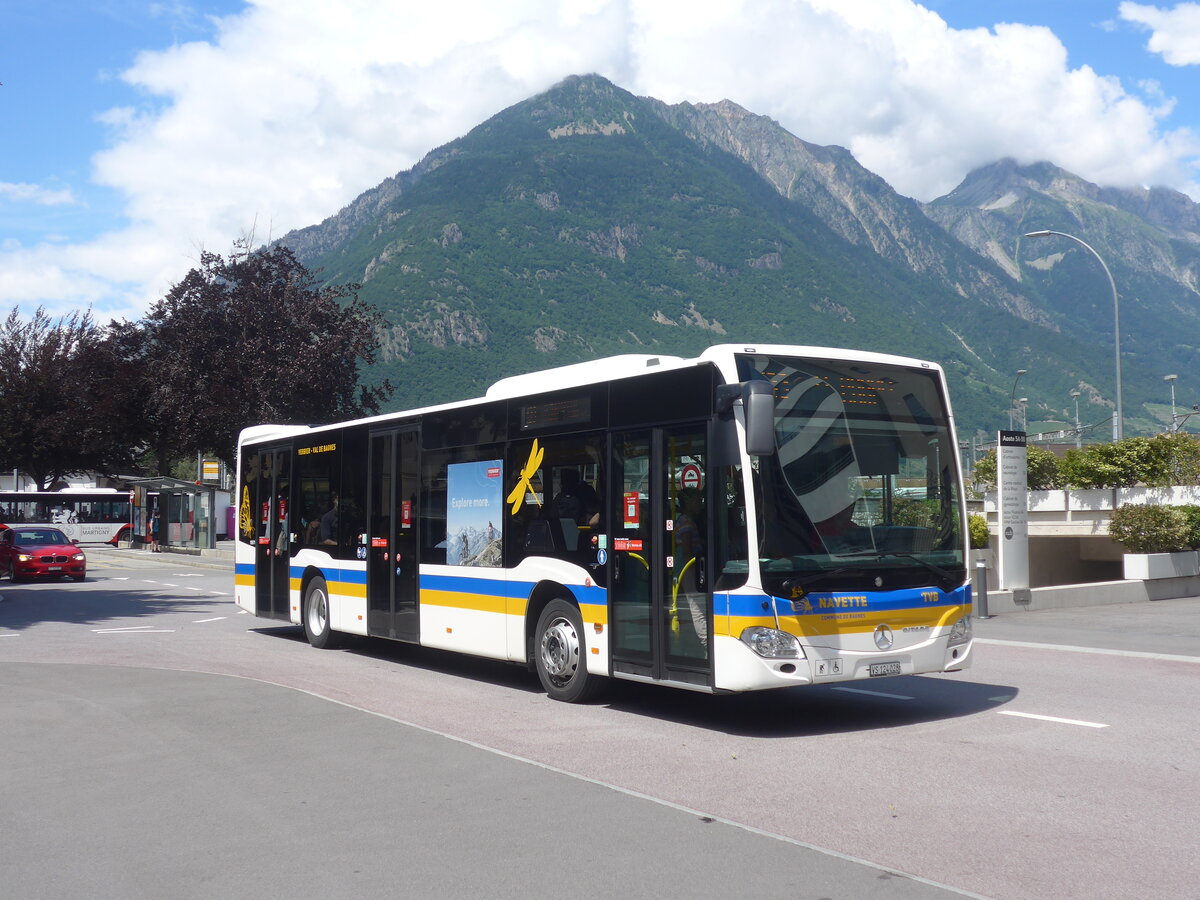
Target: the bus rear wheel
(316, 615)
(559, 655)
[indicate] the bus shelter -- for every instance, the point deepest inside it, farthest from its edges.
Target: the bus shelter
(187, 511)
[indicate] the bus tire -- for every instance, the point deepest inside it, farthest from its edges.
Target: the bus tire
(316, 615)
(559, 654)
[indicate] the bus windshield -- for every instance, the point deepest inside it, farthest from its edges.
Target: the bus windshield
(862, 492)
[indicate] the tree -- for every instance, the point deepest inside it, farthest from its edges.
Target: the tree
(1042, 471)
(253, 339)
(1156, 462)
(58, 396)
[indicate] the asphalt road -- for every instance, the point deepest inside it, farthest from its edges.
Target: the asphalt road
(1064, 764)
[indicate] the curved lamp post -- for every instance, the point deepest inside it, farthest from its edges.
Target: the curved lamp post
(1012, 397)
(1171, 379)
(1119, 421)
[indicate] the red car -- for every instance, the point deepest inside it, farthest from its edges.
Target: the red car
(39, 552)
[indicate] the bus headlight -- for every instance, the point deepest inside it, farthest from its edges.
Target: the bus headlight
(771, 644)
(960, 633)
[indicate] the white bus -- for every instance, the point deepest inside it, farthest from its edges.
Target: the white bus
(758, 517)
(84, 515)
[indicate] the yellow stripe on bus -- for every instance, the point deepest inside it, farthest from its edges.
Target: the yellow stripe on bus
(458, 600)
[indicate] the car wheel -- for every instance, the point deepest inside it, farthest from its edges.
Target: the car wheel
(316, 615)
(12, 572)
(559, 654)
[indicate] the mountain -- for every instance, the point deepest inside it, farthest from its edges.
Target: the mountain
(587, 221)
(1148, 237)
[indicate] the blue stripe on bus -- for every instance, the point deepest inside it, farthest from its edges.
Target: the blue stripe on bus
(511, 590)
(824, 602)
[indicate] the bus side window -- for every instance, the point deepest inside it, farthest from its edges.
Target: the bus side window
(559, 513)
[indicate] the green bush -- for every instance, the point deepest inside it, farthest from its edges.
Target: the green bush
(1042, 470)
(1151, 529)
(977, 525)
(1155, 462)
(1192, 514)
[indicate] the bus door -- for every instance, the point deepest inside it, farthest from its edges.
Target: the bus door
(392, 584)
(272, 552)
(660, 600)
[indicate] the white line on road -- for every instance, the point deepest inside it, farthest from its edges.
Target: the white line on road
(134, 629)
(1137, 654)
(1005, 712)
(9, 635)
(213, 619)
(850, 690)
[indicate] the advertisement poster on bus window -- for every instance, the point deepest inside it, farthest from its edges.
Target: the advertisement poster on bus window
(474, 513)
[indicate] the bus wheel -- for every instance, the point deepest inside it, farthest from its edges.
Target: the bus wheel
(316, 615)
(561, 665)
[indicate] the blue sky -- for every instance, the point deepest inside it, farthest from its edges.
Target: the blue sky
(137, 134)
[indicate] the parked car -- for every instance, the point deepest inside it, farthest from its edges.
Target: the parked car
(39, 552)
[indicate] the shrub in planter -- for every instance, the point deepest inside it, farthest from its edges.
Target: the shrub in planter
(1192, 514)
(1150, 529)
(977, 525)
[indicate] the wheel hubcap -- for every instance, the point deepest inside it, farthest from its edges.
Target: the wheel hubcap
(560, 651)
(317, 612)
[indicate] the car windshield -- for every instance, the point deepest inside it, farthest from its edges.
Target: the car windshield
(31, 537)
(862, 492)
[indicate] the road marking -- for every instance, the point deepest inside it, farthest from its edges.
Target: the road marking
(135, 629)
(241, 612)
(168, 584)
(629, 792)
(187, 575)
(221, 594)
(1137, 654)
(850, 690)
(202, 621)
(9, 635)
(1005, 712)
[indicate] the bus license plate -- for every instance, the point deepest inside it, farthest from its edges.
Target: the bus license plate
(888, 668)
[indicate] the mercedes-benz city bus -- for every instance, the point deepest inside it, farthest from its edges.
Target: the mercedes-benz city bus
(757, 517)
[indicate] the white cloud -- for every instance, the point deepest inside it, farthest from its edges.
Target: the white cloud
(1174, 33)
(35, 193)
(296, 106)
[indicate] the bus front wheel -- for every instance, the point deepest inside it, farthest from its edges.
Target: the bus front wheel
(559, 654)
(316, 615)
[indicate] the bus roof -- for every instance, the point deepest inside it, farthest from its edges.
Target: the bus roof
(595, 371)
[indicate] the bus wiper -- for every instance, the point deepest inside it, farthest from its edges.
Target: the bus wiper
(948, 579)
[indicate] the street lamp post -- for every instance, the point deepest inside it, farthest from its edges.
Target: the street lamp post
(1119, 420)
(1024, 420)
(1078, 432)
(1170, 379)
(1012, 397)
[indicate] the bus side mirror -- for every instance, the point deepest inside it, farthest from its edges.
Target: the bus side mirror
(758, 401)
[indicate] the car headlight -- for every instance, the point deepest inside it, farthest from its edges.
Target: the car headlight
(961, 632)
(24, 557)
(771, 644)
(79, 557)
